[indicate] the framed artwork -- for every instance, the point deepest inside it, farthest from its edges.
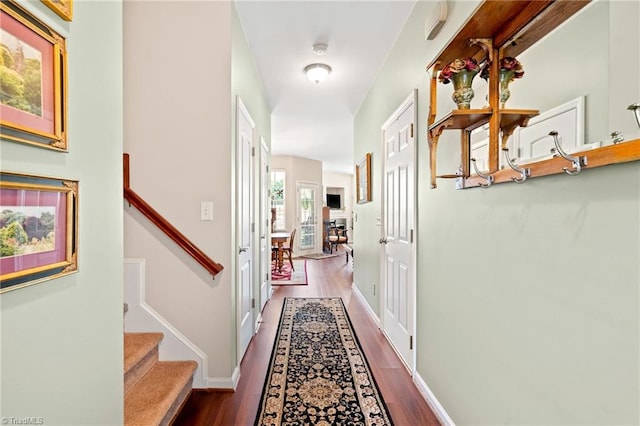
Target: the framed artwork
(363, 180)
(33, 80)
(63, 8)
(38, 229)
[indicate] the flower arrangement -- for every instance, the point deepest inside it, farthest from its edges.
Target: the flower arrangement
(466, 64)
(508, 63)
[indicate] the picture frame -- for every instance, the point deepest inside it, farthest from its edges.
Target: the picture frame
(62, 8)
(33, 104)
(363, 180)
(38, 229)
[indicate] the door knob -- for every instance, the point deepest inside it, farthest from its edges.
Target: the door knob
(382, 240)
(243, 249)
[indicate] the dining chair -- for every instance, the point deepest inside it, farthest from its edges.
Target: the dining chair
(337, 235)
(288, 249)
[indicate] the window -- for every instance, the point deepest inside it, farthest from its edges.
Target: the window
(277, 199)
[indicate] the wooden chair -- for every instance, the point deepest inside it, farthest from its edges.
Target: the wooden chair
(337, 235)
(286, 249)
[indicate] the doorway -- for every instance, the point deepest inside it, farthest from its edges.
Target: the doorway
(307, 217)
(397, 250)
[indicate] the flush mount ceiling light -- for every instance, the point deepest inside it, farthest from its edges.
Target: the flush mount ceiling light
(317, 72)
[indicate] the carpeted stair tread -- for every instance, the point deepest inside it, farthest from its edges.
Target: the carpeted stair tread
(140, 354)
(159, 394)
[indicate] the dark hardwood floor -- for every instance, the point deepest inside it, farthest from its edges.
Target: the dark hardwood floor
(327, 278)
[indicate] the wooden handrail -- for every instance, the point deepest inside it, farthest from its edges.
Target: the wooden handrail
(163, 224)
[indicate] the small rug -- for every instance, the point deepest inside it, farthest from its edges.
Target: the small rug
(322, 255)
(318, 373)
(288, 277)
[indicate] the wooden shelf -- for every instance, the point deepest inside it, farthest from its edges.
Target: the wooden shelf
(496, 29)
(461, 119)
(513, 25)
(468, 120)
(471, 119)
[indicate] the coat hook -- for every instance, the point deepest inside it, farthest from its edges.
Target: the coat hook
(489, 178)
(636, 111)
(577, 162)
(525, 173)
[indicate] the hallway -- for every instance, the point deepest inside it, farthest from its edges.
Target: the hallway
(329, 277)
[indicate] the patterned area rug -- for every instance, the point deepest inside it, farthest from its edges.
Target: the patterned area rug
(322, 255)
(289, 277)
(318, 373)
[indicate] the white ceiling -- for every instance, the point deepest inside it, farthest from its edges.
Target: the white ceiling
(316, 120)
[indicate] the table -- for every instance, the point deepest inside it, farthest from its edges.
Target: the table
(279, 238)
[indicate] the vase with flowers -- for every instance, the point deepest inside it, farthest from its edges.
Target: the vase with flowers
(461, 73)
(510, 69)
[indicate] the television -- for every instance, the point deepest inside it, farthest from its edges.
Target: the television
(333, 201)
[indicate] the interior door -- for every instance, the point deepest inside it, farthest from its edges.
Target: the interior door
(307, 219)
(397, 248)
(244, 216)
(265, 224)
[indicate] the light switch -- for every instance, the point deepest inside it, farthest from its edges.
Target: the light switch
(206, 210)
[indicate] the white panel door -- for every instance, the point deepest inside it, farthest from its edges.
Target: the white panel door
(307, 240)
(244, 184)
(265, 216)
(398, 266)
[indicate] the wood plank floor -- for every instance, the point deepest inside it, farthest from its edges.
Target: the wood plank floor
(329, 277)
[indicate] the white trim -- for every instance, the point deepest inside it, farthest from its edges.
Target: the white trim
(433, 402)
(257, 324)
(141, 317)
(370, 311)
(225, 382)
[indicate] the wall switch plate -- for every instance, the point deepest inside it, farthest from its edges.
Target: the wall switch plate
(206, 210)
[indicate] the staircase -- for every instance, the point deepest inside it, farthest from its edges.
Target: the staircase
(154, 391)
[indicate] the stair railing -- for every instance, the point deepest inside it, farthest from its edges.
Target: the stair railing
(165, 226)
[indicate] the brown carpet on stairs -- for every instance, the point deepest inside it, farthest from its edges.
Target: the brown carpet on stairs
(158, 396)
(140, 354)
(154, 390)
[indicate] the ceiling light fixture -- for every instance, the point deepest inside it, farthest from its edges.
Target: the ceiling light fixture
(317, 72)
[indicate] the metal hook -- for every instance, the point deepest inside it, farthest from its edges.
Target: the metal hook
(636, 111)
(489, 178)
(577, 162)
(525, 173)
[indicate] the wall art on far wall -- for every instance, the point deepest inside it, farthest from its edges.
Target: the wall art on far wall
(63, 8)
(363, 180)
(38, 229)
(33, 80)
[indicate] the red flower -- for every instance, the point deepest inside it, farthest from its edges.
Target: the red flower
(507, 63)
(465, 64)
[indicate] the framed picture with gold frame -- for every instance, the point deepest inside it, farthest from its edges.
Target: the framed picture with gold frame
(38, 229)
(62, 8)
(34, 81)
(363, 180)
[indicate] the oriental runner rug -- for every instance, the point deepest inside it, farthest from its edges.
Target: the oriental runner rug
(318, 374)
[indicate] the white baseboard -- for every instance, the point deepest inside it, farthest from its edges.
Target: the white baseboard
(230, 383)
(433, 402)
(370, 311)
(257, 324)
(141, 317)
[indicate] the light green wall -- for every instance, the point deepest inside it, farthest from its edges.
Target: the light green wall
(61, 339)
(527, 295)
